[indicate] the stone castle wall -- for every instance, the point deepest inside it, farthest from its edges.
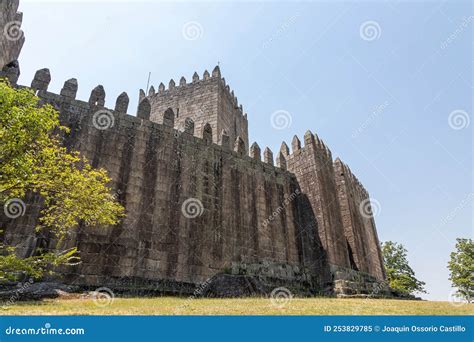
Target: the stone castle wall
(249, 210)
(200, 203)
(11, 37)
(358, 222)
(312, 164)
(205, 101)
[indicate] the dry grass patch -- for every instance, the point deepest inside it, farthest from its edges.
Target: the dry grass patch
(236, 306)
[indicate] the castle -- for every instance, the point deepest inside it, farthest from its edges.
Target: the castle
(202, 204)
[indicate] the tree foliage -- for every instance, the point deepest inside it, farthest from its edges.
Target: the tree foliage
(400, 275)
(32, 161)
(12, 267)
(461, 267)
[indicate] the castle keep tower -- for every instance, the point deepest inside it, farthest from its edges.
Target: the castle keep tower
(206, 100)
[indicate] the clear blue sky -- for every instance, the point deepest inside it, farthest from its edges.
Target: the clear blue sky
(381, 104)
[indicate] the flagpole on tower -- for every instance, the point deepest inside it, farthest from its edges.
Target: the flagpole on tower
(148, 82)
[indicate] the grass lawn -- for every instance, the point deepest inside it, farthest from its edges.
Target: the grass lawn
(239, 306)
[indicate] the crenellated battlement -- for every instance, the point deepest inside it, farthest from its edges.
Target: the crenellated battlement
(207, 100)
(310, 142)
(67, 94)
(174, 89)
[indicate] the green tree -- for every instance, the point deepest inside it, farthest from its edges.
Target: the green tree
(461, 267)
(400, 275)
(32, 161)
